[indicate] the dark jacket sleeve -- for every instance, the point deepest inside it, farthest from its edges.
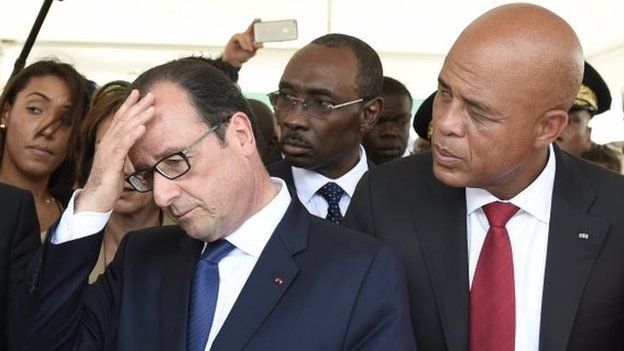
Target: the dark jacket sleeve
(24, 242)
(64, 312)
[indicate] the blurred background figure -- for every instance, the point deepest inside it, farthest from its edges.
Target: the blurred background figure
(592, 99)
(133, 210)
(608, 155)
(268, 141)
(387, 139)
(42, 108)
(421, 123)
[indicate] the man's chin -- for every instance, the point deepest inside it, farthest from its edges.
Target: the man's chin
(449, 177)
(300, 161)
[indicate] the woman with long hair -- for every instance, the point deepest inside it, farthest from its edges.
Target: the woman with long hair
(42, 108)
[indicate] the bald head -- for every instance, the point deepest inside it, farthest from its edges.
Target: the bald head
(527, 43)
(503, 97)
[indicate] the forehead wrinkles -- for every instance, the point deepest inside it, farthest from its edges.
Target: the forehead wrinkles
(465, 78)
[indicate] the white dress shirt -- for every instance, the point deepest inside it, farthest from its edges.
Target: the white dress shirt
(234, 269)
(309, 182)
(528, 234)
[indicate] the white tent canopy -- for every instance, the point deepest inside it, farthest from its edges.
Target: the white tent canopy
(117, 39)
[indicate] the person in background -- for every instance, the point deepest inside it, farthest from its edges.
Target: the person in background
(240, 48)
(329, 97)
(510, 243)
(268, 140)
(593, 98)
(19, 239)
(387, 139)
(42, 108)
(422, 125)
(133, 210)
(608, 156)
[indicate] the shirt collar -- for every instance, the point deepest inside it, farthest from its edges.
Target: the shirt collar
(309, 182)
(536, 199)
(252, 236)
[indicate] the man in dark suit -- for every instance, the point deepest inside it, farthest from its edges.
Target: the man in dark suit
(247, 269)
(19, 239)
(509, 243)
(328, 99)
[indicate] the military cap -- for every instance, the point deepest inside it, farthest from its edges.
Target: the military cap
(423, 116)
(593, 95)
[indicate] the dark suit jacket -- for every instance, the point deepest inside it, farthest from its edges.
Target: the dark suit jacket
(19, 239)
(404, 205)
(341, 291)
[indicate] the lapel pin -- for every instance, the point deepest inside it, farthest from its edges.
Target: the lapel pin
(278, 281)
(583, 236)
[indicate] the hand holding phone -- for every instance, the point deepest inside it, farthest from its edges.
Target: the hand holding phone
(282, 30)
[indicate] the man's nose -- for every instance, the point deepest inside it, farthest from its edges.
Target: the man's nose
(448, 118)
(164, 190)
(293, 118)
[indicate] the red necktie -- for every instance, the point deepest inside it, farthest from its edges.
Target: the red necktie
(492, 301)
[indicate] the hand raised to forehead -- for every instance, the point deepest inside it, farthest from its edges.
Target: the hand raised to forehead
(105, 182)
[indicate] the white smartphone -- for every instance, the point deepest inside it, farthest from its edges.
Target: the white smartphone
(282, 30)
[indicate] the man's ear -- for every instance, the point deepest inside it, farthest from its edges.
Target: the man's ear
(243, 132)
(370, 113)
(549, 126)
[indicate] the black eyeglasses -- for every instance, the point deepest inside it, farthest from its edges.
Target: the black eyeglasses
(312, 106)
(171, 167)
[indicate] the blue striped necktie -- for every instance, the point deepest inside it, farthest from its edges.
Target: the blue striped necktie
(204, 293)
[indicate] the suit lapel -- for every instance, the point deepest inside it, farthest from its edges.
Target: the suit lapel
(570, 256)
(175, 292)
(272, 275)
(440, 221)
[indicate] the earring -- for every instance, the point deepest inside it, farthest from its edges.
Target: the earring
(2, 127)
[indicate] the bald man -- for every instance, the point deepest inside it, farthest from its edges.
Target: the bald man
(512, 244)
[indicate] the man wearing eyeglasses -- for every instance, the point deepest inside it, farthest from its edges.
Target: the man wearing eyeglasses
(246, 269)
(328, 99)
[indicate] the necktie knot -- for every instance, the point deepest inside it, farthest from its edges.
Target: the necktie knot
(331, 192)
(216, 251)
(499, 213)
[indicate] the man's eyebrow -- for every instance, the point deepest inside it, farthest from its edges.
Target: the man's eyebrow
(167, 152)
(477, 105)
(443, 84)
(470, 102)
(307, 90)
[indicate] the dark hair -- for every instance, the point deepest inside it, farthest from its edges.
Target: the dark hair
(62, 179)
(105, 102)
(213, 95)
(370, 73)
(230, 71)
(392, 86)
